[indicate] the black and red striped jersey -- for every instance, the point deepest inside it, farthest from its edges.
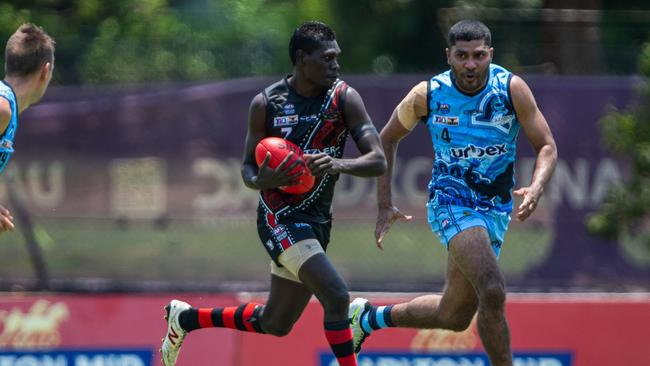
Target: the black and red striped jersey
(316, 125)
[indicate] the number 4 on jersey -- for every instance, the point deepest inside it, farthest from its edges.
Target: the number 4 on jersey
(445, 135)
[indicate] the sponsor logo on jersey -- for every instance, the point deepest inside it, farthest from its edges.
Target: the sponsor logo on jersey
(289, 108)
(283, 121)
(472, 151)
(269, 244)
(445, 120)
(330, 150)
(309, 118)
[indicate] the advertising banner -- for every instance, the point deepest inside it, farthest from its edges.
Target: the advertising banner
(125, 330)
(78, 357)
(546, 330)
(100, 330)
(450, 359)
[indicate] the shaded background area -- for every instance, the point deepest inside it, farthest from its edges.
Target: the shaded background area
(126, 176)
(140, 190)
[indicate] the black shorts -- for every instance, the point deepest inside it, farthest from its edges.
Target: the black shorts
(279, 235)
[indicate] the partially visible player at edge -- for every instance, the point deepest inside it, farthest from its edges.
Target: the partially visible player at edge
(473, 113)
(29, 62)
(316, 111)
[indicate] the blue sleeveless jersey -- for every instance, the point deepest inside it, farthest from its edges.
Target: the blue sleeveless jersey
(474, 139)
(7, 138)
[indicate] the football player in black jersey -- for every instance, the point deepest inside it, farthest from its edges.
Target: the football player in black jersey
(314, 109)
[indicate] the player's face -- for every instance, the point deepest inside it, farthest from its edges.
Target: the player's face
(470, 63)
(321, 67)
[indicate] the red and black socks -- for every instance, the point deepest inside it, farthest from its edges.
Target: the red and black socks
(339, 336)
(244, 317)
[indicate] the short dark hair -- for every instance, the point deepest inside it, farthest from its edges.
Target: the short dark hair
(28, 49)
(469, 30)
(309, 36)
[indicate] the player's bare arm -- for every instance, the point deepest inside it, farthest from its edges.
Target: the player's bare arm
(403, 120)
(371, 162)
(263, 177)
(5, 114)
(541, 139)
(6, 220)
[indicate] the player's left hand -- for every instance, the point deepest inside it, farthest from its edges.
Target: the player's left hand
(320, 164)
(530, 197)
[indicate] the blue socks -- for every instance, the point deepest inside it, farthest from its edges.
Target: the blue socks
(377, 317)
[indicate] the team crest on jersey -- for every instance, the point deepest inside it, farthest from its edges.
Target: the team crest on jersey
(495, 111)
(445, 120)
(280, 232)
(283, 121)
(442, 108)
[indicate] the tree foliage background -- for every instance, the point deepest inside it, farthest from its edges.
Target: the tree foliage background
(142, 41)
(626, 211)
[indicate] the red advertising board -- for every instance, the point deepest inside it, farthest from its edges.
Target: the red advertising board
(546, 329)
(113, 323)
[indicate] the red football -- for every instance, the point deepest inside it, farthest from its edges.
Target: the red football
(279, 149)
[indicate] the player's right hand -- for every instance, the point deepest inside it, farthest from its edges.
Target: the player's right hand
(268, 177)
(385, 218)
(6, 220)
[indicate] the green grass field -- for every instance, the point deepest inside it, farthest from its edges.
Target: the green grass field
(229, 250)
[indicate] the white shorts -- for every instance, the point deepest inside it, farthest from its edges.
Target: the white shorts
(294, 257)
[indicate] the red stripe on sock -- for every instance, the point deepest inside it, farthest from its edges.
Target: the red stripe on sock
(338, 336)
(248, 312)
(205, 318)
(350, 360)
(228, 317)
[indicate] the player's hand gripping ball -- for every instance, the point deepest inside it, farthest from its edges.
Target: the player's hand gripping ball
(279, 149)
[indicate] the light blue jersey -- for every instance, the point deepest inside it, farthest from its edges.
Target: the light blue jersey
(7, 137)
(474, 138)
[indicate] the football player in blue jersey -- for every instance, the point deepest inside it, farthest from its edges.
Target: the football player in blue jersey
(473, 113)
(29, 62)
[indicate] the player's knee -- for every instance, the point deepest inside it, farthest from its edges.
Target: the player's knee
(493, 296)
(460, 323)
(277, 329)
(460, 318)
(336, 299)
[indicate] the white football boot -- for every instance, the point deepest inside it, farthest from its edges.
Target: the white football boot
(171, 344)
(357, 308)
